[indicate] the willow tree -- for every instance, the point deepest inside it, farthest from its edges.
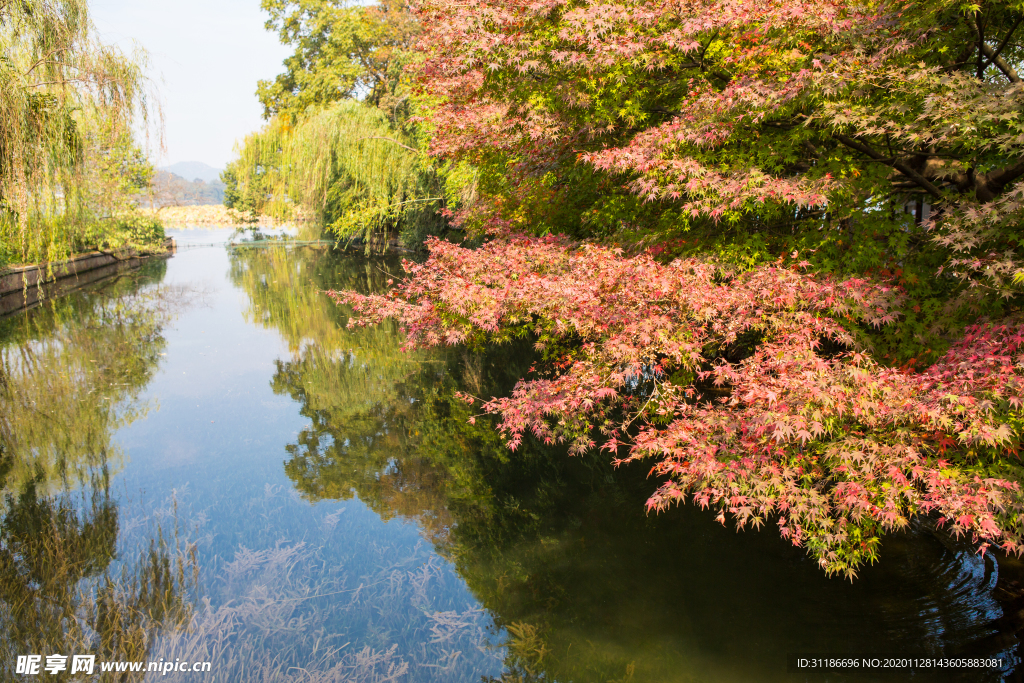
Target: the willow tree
(342, 145)
(67, 102)
(346, 166)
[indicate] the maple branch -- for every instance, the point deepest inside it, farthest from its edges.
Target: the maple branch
(900, 166)
(993, 56)
(672, 75)
(961, 59)
(815, 152)
(663, 110)
(990, 184)
(979, 29)
(1006, 39)
(704, 48)
(986, 186)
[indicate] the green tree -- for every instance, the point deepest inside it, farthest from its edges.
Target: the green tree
(341, 147)
(342, 50)
(347, 167)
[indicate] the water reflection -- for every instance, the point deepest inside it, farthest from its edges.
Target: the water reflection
(61, 592)
(548, 568)
(584, 586)
(293, 591)
(348, 382)
(70, 375)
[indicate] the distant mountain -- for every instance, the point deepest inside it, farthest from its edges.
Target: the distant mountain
(192, 170)
(170, 189)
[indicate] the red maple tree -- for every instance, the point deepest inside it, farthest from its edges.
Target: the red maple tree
(751, 388)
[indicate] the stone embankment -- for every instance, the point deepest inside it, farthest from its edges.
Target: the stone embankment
(23, 287)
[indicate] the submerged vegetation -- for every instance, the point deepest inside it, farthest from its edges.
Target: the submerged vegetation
(69, 164)
(65, 588)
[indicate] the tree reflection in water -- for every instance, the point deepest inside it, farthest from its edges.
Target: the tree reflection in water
(71, 372)
(583, 585)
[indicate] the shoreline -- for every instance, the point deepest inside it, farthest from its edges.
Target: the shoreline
(23, 287)
(218, 215)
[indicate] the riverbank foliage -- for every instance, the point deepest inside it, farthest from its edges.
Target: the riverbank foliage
(744, 388)
(344, 145)
(345, 166)
(69, 165)
(771, 248)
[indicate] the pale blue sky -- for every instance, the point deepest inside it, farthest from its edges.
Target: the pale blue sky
(206, 57)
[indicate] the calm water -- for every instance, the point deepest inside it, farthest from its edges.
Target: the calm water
(201, 462)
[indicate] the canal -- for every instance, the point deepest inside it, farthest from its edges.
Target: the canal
(202, 463)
